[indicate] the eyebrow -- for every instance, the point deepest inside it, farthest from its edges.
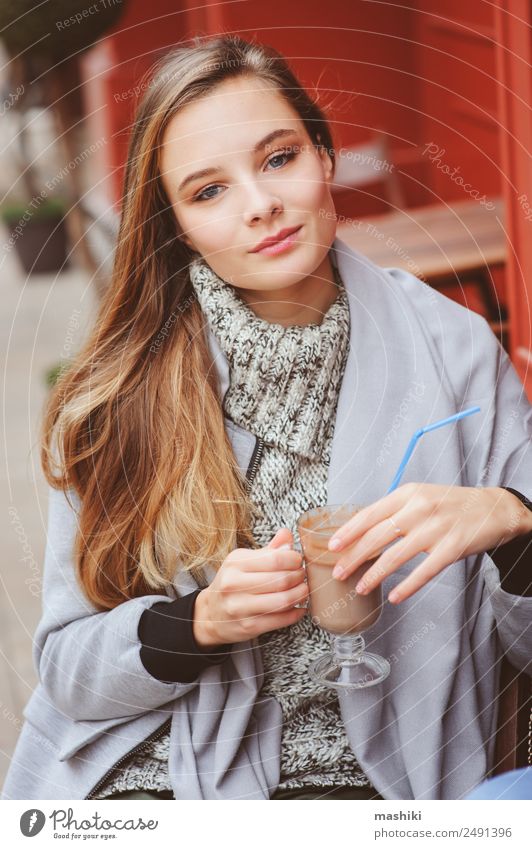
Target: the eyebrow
(207, 172)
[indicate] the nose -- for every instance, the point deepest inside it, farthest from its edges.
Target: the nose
(261, 203)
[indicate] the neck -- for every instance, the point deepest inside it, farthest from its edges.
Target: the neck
(303, 303)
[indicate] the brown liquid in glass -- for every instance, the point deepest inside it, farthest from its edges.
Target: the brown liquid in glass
(335, 605)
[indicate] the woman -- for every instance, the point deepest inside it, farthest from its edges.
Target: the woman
(229, 385)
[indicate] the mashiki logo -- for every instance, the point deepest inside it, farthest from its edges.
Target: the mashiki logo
(32, 822)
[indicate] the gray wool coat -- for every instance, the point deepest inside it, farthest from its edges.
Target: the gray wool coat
(427, 732)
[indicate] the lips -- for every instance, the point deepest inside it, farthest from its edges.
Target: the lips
(272, 240)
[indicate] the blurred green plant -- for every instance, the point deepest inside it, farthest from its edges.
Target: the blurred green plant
(52, 374)
(53, 207)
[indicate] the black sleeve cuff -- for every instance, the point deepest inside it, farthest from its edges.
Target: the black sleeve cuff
(513, 559)
(169, 650)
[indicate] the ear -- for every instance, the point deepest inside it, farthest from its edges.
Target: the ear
(326, 160)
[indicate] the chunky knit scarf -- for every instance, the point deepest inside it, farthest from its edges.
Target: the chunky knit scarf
(282, 384)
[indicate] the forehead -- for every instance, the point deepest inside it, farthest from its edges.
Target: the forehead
(231, 118)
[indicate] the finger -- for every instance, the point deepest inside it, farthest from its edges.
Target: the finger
(256, 605)
(390, 560)
(367, 547)
(370, 516)
(271, 621)
(266, 582)
(266, 559)
(422, 574)
(283, 536)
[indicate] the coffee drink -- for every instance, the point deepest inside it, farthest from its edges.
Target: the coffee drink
(335, 605)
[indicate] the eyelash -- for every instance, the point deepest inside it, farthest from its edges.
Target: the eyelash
(289, 153)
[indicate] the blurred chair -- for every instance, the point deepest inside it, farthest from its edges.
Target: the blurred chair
(366, 163)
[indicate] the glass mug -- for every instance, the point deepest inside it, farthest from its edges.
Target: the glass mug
(337, 607)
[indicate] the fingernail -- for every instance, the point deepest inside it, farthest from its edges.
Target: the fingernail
(334, 543)
(285, 546)
(361, 589)
(338, 572)
(393, 596)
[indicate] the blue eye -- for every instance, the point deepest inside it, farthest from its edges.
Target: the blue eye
(288, 154)
(209, 197)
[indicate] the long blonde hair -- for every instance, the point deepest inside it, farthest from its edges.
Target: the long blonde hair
(135, 426)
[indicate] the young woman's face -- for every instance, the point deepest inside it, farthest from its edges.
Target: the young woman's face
(263, 183)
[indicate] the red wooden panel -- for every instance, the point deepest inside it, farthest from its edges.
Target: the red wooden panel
(514, 57)
(456, 60)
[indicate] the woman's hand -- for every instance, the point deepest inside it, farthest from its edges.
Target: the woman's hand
(446, 522)
(254, 591)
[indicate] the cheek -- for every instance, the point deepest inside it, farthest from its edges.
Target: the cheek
(312, 190)
(314, 195)
(206, 227)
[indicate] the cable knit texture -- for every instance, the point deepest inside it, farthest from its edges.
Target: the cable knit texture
(284, 385)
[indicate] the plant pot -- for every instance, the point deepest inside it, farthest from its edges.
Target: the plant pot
(40, 242)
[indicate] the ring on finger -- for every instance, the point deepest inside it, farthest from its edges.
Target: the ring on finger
(395, 526)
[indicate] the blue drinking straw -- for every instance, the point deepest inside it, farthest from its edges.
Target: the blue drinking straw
(418, 434)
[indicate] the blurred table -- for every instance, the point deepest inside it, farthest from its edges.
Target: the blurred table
(437, 241)
(444, 244)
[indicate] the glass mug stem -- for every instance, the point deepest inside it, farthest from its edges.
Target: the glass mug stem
(348, 647)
